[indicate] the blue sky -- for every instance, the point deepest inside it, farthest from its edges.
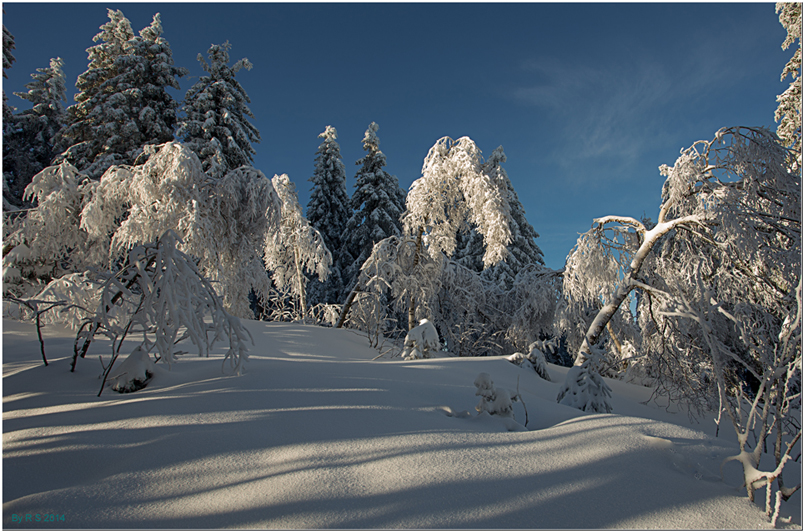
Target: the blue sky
(588, 100)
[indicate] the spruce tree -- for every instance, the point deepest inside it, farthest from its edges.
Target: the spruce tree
(122, 103)
(522, 248)
(28, 140)
(378, 203)
(8, 58)
(215, 123)
(328, 211)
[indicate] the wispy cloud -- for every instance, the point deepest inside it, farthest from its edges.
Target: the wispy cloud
(611, 111)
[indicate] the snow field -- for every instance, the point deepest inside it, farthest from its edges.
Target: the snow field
(317, 435)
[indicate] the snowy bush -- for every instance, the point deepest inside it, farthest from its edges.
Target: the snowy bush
(584, 389)
(134, 373)
(421, 341)
(498, 401)
(162, 295)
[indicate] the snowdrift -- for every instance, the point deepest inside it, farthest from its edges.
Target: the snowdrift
(315, 434)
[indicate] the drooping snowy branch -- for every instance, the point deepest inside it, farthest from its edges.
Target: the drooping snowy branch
(452, 190)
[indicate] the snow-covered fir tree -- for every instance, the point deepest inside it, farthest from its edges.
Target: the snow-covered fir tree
(122, 103)
(522, 249)
(215, 115)
(377, 202)
(788, 112)
(452, 191)
(29, 136)
(8, 58)
(328, 211)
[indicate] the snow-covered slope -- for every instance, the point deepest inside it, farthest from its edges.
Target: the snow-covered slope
(315, 434)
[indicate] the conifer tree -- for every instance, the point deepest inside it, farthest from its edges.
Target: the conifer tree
(328, 211)
(788, 112)
(215, 123)
(8, 58)
(29, 136)
(122, 103)
(378, 203)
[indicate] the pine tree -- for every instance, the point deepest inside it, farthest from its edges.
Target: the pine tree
(29, 137)
(788, 111)
(215, 125)
(8, 58)
(378, 203)
(522, 248)
(122, 103)
(328, 211)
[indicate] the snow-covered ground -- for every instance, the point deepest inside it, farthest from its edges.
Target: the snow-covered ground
(315, 434)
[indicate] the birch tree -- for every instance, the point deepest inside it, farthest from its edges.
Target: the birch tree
(452, 191)
(720, 280)
(296, 248)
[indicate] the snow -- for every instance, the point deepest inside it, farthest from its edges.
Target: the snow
(316, 433)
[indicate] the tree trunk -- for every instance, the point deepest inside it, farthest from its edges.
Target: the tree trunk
(411, 322)
(347, 306)
(301, 290)
(607, 312)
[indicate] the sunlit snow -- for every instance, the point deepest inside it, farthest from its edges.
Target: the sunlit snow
(317, 434)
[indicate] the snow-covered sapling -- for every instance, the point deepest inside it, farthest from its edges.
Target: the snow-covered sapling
(497, 401)
(134, 373)
(421, 341)
(585, 389)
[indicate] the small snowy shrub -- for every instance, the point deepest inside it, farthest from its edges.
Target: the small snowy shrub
(585, 389)
(134, 373)
(517, 358)
(493, 401)
(421, 341)
(161, 294)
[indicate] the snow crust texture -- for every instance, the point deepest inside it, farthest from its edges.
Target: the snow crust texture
(317, 435)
